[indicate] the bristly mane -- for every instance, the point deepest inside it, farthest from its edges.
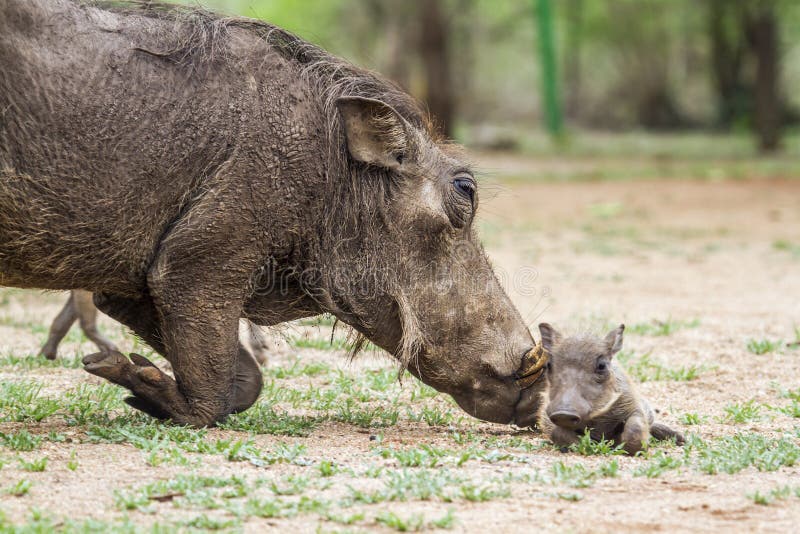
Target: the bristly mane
(201, 37)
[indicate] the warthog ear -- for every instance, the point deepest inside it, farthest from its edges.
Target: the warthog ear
(614, 340)
(376, 133)
(550, 336)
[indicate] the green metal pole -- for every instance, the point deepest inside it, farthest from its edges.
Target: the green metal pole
(547, 55)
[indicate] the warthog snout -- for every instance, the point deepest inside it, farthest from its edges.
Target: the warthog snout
(566, 419)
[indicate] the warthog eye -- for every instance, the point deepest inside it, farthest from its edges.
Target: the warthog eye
(601, 367)
(465, 187)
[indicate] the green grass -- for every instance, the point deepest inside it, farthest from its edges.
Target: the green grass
(731, 454)
(320, 343)
(784, 245)
(691, 418)
(646, 369)
(763, 346)
(586, 446)
(298, 368)
(262, 418)
(742, 412)
(659, 463)
(20, 441)
(661, 328)
(19, 488)
(28, 362)
(35, 466)
(23, 402)
(423, 456)
(792, 409)
(777, 494)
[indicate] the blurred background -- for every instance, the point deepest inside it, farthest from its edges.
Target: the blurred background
(683, 78)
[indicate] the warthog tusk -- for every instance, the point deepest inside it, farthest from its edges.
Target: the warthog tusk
(533, 364)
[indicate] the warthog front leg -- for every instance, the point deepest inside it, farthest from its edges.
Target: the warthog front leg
(635, 434)
(155, 392)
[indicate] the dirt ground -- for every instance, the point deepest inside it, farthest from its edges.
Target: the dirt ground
(706, 274)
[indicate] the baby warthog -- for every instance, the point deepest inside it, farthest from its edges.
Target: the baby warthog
(587, 389)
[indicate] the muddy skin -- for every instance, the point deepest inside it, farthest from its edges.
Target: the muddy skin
(80, 307)
(226, 169)
(587, 389)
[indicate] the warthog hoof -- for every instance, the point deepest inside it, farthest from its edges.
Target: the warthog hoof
(154, 392)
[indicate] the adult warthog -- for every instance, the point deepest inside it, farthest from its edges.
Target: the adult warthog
(191, 169)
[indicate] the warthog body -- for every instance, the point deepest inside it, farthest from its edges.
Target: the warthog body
(588, 390)
(224, 168)
(80, 307)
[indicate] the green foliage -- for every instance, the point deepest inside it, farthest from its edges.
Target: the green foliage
(792, 410)
(22, 401)
(732, 454)
(784, 245)
(659, 463)
(742, 412)
(763, 346)
(262, 418)
(413, 523)
(20, 441)
(690, 418)
(35, 466)
(589, 447)
(661, 328)
(777, 494)
(19, 488)
(645, 369)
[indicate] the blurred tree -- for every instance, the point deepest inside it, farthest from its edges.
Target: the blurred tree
(762, 34)
(623, 64)
(573, 48)
(434, 50)
(728, 51)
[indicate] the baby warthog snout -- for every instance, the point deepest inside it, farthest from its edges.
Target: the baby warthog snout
(586, 390)
(566, 419)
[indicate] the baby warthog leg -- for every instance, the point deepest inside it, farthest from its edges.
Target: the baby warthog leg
(61, 325)
(79, 306)
(635, 434)
(155, 392)
(662, 432)
(87, 315)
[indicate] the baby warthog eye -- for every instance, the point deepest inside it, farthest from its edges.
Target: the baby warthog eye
(465, 187)
(601, 367)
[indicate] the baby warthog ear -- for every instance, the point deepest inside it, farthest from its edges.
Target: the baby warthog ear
(376, 134)
(550, 336)
(614, 340)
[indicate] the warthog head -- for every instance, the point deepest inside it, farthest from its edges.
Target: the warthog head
(404, 268)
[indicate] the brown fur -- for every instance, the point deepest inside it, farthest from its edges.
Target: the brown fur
(587, 389)
(192, 169)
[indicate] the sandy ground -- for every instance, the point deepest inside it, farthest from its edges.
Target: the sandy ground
(722, 259)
